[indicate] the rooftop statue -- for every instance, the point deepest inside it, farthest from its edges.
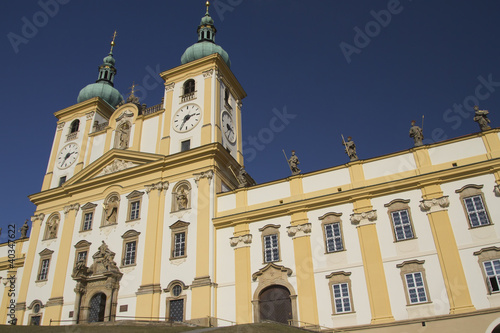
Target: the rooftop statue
(416, 133)
(481, 117)
(350, 148)
(293, 162)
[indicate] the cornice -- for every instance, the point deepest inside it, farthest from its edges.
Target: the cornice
(159, 164)
(93, 104)
(213, 61)
(365, 192)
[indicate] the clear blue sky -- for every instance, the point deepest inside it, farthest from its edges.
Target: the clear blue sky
(412, 58)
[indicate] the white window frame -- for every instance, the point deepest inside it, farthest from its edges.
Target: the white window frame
(271, 248)
(492, 274)
(179, 245)
(270, 232)
(341, 297)
(490, 255)
(334, 243)
(404, 229)
(415, 287)
(414, 269)
(479, 214)
(130, 254)
(469, 193)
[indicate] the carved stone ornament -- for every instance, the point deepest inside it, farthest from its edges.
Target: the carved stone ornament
(206, 174)
(219, 75)
(241, 241)
(496, 189)
(169, 86)
(158, 186)
(299, 230)
(103, 277)
(272, 271)
(90, 115)
(125, 114)
(38, 217)
(364, 218)
(75, 207)
(435, 205)
(208, 73)
(117, 165)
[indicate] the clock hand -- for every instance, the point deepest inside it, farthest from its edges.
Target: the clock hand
(65, 158)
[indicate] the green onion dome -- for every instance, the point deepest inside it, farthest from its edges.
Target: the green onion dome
(206, 42)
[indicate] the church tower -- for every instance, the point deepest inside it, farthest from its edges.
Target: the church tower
(203, 97)
(129, 195)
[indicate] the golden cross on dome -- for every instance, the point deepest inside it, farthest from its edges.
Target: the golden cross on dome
(113, 42)
(132, 89)
(207, 4)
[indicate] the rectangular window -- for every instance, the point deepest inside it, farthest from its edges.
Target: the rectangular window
(87, 221)
(44, 270)
(416, 288)
(62, 180)
(82, 256)
(476, 210)
(185, 145)
(341, 298)
(35, 320)
(492, 269)
(130, 249)
(333, 237)
(134, 210)
(271, 249)
(402, 225)
(180, 244)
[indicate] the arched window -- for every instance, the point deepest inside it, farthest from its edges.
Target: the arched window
(74, 126)
(189, 86)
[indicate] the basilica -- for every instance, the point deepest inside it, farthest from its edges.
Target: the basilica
(146, 213)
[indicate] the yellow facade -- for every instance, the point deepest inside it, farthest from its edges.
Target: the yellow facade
(172, 233)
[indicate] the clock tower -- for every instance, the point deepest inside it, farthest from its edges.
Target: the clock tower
(203, 97)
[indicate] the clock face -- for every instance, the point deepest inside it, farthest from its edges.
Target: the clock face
(228, 127)
(67, 156)
(186, 118)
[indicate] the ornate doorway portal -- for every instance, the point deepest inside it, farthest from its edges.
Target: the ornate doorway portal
(274, 299)
(97, 287)
(97, 306)
(275, 304)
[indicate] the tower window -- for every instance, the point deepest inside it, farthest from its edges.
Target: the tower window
(62, 180)
(185, 145)
(74, 126)
(189, 86)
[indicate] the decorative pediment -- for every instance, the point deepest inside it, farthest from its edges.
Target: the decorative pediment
(82, 244)
(135, 194)
(115, 166)
(88, 206)
(131, 233)
(179, 224)
(46, 252)
(113, 161)
(272, 271)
